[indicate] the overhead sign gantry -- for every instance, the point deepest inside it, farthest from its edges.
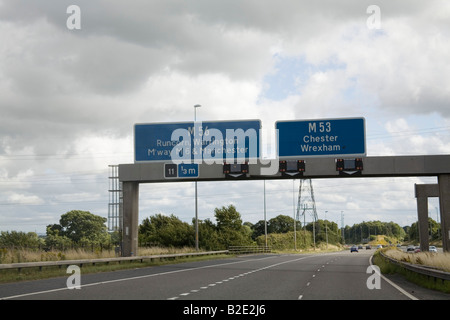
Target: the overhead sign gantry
(218, 151)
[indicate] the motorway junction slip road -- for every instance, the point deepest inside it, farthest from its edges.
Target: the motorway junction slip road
(320, 276)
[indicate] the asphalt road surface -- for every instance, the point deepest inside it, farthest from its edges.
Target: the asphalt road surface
(329, 276)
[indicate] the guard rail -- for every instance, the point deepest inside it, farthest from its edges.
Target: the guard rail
(428, 271)
(249, 249)
(82, 262)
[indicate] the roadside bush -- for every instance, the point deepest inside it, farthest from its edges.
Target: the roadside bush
(285, 241)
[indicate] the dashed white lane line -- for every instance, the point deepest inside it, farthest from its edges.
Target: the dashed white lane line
(244, 274)
(313, 276)
(128, 279)
(410, 296)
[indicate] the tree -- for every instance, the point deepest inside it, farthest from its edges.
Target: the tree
(281, 224)
(19, 239)
(230, 228)
(228, 218)
(365, 230)
(166, 231)
(326, 229)
(54, 239)
(80, 226)
(433, 231)
(208, 236)
(258, 229)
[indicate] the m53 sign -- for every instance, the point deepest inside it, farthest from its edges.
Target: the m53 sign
(321, 138)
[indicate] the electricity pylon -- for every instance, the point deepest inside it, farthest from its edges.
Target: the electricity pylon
(306, 204)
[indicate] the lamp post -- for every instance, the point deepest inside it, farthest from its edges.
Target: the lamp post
(196, 201)
(293, 209)
(326, 228)
(265, 218)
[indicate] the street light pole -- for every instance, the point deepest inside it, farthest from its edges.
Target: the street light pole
(295, 219)
(196, 199)
(265, 218)
(326, 228)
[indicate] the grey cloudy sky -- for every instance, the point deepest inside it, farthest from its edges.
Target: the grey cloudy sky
(69, 98)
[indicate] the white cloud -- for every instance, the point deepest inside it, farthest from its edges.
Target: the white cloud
(17, 199)
(69, 99)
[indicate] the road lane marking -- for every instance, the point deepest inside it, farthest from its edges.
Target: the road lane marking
(132, 278)
(263, 268)
(313, 276)
(394, 285)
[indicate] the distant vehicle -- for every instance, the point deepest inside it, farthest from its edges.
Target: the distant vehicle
(360, 247)
(368, 247)
(354, 248)
(379, 246)
(410, 249)
(416, 249)
(432, 249)
(398, 245)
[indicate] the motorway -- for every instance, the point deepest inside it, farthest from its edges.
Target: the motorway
(324, 276)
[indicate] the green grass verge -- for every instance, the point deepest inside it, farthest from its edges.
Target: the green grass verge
(27, 274)
(386, 267)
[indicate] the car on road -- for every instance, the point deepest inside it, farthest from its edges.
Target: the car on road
(354, 248)
(410, 249)
(432, 249)
(416, 249)
(368, 247)
(379, 246)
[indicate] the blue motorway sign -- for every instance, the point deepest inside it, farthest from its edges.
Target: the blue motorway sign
(197, 142)
(321, 138)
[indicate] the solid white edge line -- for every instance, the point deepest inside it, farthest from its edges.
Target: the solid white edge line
(393, 284)
(127, 279)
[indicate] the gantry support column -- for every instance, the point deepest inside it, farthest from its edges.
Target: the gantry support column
(444, 203)
(130, 218)
(423, 191)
